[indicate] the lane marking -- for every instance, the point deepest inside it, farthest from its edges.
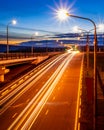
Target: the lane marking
(20, 81)
(77, 124)
(14, 115)
(5, 92)
(12, 87)
(47, 112)
(27, 100)
(79, 113)
(18, 105)
(80, 102)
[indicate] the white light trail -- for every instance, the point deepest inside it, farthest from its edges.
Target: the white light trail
(37, 103)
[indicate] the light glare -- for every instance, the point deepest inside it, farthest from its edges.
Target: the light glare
(75, 28)
(101, 27)
(62, 14)
(14, 22)
(36, 33)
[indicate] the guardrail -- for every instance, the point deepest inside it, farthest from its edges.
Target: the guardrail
(5, 56)
(100, 81)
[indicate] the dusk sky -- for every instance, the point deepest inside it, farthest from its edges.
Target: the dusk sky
(40, 14)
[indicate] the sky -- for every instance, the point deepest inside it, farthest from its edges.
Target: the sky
(41, 14)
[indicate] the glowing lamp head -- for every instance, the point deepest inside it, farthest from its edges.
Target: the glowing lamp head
(78, 38)
(75, 28)
(36, 33)
(101, 27)
(62, 14)
(14, 22)
(82, 34)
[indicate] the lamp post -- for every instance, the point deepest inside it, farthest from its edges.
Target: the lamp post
(12, 22)
(55, 48)
(101, 27)
(87, 46)
(103, 41)
(63, 13)
(95, 65)
(35, 34)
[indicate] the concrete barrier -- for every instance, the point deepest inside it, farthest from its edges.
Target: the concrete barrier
(39, 59)
(3, 71)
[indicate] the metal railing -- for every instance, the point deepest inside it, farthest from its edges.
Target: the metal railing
(5, 56)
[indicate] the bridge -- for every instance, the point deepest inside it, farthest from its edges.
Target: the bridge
(11, 59)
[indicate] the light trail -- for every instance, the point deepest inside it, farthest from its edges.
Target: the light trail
(26, 76)
(22, 88)
(35, 106)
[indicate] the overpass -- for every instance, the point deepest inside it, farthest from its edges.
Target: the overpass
(72, 46)
(20, 58)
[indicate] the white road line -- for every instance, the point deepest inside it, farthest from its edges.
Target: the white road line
(47, 112)
(5, 92)
(79, 113)
(14, 115)
(76, 126)
(27, 100)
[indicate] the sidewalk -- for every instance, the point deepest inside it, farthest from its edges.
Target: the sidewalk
(86, 120)
(100, 109)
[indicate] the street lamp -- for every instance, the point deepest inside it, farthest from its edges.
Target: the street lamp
(12, 22)
(63, 13)
(101, 28)
(35, 34)
(87, 44)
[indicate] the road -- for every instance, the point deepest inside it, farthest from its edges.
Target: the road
(60, 109)
(47, 102)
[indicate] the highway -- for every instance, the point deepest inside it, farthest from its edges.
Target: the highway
(45, 98)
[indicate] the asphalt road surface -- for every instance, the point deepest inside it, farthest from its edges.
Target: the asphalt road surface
(60, 110)
(49, 101)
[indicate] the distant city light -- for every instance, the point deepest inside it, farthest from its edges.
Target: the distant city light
(75, 29)
(36, 33)
(79, 38)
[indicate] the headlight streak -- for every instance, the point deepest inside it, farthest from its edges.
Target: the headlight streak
(47, 95)
(32, 113)
(9, 99)
(16, 82)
